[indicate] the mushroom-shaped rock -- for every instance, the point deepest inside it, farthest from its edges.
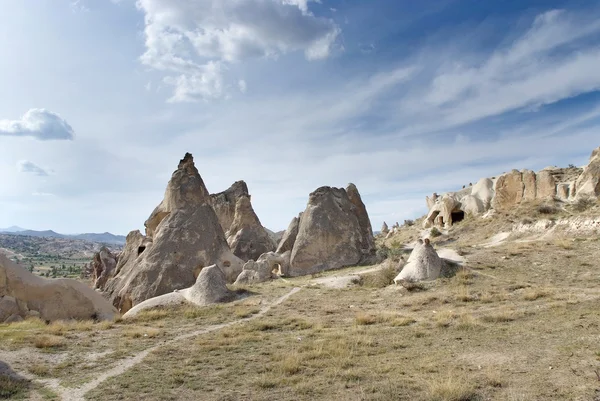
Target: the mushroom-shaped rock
(247, 238)
(262, 270)
(588, 183)
(184, 236)
(423, 264)
(54, 299)
(210, 288)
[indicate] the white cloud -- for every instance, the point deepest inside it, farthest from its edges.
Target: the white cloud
(195, 39)
(549, 62)
(25, 166)
(41, 124)
(243, 86)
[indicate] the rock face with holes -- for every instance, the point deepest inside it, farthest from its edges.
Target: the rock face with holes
(514, 188)
(332, 232)
(247, 237)
(588, 183)
(183, 236)
(24, 294)
(210, 288)
(423, 264)
(265, 268)
(103, 266)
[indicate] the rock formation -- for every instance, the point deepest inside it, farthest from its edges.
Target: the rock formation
(367, 244)
(263, 269)
(224, 203)
(588, 183)
(183, 236)
(423, 264)
(247, 238)
(23, 294)
(102, 266)
(289, 237)
(210, 288)
(513, 188)
(330, 234)
(384, 228)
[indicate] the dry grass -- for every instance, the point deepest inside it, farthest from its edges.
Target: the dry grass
(451, 388)
(12, 388)
(142, 332)
(49, 341)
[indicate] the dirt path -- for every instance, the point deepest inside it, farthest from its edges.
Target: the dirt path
(78, 394)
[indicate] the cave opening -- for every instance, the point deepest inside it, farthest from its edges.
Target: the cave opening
(458, 216)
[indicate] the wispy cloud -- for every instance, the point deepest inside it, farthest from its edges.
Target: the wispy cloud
(40, 124)
(25, 166)
(194, 41)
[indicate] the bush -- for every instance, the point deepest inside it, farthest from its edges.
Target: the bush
(547, 209)
(434, 232)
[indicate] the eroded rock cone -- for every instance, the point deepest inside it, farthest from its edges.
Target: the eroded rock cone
(247, 238)
(225, 202)
(289, 237)
(183, 236)
(210, 288)
(25, 294)
(423, 264)
(330, 235)
(367, 242)
(103, 266)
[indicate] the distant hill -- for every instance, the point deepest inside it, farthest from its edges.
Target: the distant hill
(106, 238)
(12, 229)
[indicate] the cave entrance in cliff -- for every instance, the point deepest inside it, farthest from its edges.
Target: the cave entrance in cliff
(458, 216)
(141, 250)
(433, 218)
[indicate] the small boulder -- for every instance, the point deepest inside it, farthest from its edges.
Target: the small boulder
(210, 288)
(8, 307)
(262, 270)
(423, 264)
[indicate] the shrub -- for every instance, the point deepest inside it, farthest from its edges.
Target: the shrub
(434, 232)
(547, 209)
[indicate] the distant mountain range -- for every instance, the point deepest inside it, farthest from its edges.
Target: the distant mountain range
(106, 238)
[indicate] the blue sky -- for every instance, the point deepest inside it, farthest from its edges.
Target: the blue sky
(100, 99)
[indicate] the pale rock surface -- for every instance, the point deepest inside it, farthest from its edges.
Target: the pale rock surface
(484, 191)
(183, 237)
(367, 240)
(287, 242)
(224, 203)
(509, 190)
(103, 266)
(588, 183)
(53, 299)
(423, 264)
(529, 185)
(262, 269)
(247, 237)
(330, 235)
(384, 228)
(210, 288)
(545, 185)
